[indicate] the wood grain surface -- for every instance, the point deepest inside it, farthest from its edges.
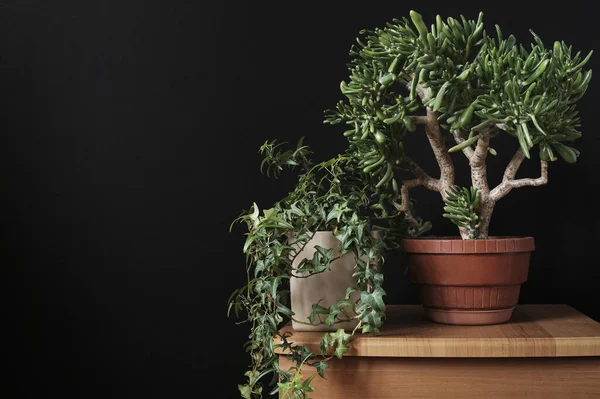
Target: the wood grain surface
(533, 331)
(458, 378)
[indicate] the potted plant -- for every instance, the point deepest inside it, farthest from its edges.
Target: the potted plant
(464, 88)
(314, 258)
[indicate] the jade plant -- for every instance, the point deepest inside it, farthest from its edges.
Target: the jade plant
(464, 87)
(334, 195)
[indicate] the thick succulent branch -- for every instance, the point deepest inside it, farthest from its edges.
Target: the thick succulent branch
(507, 185)
(446, 180)
(436, 140)
(480, 153)
(422, 179)
(420, 119)
(509, 182)
(513, 166)
(426, 180)
(540, 181)
(479, 180)
(485, 216)
(405, 197)
(479, 167)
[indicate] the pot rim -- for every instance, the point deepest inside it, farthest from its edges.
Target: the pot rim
(459, 238)
(456, 245)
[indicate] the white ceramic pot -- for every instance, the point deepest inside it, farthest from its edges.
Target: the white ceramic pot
(325, 288)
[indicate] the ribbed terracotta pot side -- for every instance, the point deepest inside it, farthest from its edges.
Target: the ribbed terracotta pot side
(469, 281)
(470, 269)
(450, 245)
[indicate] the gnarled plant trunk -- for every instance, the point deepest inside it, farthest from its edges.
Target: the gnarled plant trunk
(477, 161)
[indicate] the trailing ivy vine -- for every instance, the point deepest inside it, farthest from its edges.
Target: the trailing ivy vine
(335, 195)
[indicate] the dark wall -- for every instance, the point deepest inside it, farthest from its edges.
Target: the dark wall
(129, 135)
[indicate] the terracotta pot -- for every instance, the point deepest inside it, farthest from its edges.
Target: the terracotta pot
(469, 282)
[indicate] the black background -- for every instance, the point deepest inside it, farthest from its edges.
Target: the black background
(129, 136)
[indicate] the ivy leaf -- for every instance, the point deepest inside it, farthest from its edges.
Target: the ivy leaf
(275, 285)
(343, 304)
(378, 279)
(316, 311)
(340, 349)
(333, 312)
(342, 234)
(254, 215)
(321, 367)
(259, 267)
(251, 238)
(305, 354)
(373, 300)
(274, 222)
(349, 292)
(283, 309)
(371, 319)
(340, 340)
(326, 342)
(319, 264)
(270, 213)
(284, 388)
(306, 384)
(295, 210)
(245, 390)
(369, 273)
(324, 252)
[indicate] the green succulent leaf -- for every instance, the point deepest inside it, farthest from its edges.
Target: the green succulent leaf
(462, 207)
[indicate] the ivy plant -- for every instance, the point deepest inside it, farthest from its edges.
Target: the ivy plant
(335, 195)
(463, 86)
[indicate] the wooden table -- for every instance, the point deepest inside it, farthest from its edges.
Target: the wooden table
(545, 351)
